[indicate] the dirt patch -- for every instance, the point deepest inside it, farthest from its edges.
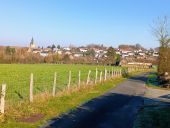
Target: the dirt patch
(32, 119)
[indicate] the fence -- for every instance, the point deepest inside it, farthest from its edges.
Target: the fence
(12, 93)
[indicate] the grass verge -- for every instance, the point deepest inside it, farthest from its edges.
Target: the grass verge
(153, 118)
(153, 81)
(48, 107)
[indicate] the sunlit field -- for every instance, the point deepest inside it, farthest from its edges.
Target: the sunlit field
(17, 77)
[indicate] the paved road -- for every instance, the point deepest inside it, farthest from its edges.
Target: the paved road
(115, 109)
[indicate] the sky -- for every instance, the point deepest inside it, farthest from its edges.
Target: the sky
(80, 22)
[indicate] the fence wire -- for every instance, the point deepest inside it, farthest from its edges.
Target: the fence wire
(17, 78)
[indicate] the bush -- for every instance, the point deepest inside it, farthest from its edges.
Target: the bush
(164, 60)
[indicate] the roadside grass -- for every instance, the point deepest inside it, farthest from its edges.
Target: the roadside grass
(153, 81)
(51, 107)
(153, 118)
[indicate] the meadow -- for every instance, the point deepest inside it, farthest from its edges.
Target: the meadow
(17, 77)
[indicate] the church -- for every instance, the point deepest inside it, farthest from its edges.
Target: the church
(32, 44)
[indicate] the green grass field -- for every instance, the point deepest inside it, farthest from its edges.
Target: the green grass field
(17, 77)
(53, 106)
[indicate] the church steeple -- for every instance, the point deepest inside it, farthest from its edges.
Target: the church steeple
(32, 44)
(32, 41)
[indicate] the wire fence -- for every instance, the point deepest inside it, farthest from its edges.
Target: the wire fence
(20, 86)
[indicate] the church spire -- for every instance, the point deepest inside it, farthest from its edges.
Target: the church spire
(32, 41)
(32, 44)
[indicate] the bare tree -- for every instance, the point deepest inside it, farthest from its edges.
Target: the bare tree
(161, 30)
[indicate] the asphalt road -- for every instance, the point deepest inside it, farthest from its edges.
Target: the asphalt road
(115, 109)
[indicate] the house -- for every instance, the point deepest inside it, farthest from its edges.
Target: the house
(66, 49)
(78, 54)
(31, 45)
(118, 52)
(141, 53)
(83, 50)
(36, 50)
(58, 51)
(47, 50)
(155, 54)
(125, 55)
(131, 53)
(44, 53)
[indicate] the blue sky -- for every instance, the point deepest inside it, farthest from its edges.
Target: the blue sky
(80, 22)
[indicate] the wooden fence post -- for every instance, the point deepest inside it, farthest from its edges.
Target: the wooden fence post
(69, 80)
(120, 72)
(105, 75)
(96, 76)
(54, 84)
(31, 87)
(109, 73)
(3, 92)
(88, 77)
(79, 82)
(100, 76)
(112, 72)
(115, 73)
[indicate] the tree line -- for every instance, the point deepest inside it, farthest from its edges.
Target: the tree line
(21, 55)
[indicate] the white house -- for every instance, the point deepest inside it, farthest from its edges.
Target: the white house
(155, 54)
(44, 54)
(78, 55)
(83, 50)
(66, 49)
(131, 53)
(141, 53)
(36, 50)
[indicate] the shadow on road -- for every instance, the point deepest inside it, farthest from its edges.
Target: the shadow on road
(111, 110)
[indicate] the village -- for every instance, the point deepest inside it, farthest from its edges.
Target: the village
(127, 53)
(85, 64)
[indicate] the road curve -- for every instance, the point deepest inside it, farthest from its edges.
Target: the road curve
(115, 109)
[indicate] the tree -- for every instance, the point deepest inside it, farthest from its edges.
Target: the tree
(48, 59)
(49, 47)
(162, 33)
(90, 52)
(56, 58)
(10, 51)
(58, 46)
(118, 58)
(66, 58)
(110, 55)
(138, 46)
(53, 46)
